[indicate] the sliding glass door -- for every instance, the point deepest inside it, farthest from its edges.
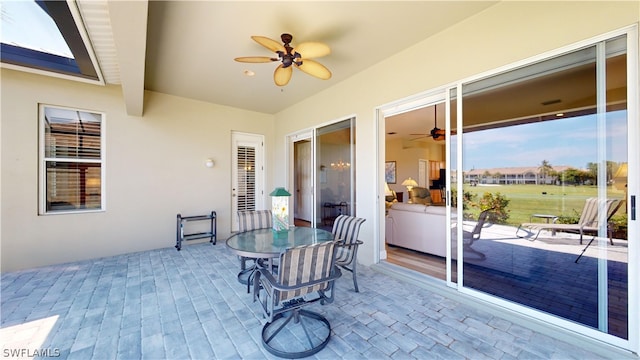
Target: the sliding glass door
(335, 180)
(543, 151)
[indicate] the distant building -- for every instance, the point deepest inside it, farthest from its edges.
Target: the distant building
(512, 175)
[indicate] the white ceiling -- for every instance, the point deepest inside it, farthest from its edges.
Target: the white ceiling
(190, 45)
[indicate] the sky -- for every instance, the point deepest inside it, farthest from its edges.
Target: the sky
(568, 141)
(25, 24)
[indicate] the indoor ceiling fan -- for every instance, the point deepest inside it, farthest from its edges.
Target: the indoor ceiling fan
(435, 133)
(300, 57)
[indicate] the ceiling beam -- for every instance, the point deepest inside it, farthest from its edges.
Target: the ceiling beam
(129, 26)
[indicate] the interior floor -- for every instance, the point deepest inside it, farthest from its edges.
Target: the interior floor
(424, 263)
(300, 222)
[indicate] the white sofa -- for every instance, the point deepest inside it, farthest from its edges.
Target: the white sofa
(417, 227)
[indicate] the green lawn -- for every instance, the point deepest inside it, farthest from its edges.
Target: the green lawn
(541, 199)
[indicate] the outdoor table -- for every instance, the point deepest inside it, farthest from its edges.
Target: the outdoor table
(547, 217)
(268, 244)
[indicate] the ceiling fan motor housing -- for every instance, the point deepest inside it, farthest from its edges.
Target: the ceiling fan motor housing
(288, 58)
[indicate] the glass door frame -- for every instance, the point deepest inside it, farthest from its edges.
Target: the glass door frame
(307, 134)
(418, 101)
(311, 134)
(633, 277)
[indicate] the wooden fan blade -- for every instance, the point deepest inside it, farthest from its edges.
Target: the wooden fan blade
(270, 44)
(312, 50)
(255, 59)
(421, 137)
(282, 75)
(314, 68)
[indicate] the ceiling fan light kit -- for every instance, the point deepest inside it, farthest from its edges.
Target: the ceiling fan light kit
(437, 134)
(299, 57)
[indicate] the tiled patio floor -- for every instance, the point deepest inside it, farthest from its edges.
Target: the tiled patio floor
(168, 304)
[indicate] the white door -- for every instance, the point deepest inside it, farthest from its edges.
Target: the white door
(247, 174)
(423, 173)
(303, 180)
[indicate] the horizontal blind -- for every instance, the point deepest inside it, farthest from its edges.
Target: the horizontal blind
(246, 178)
(72, 159)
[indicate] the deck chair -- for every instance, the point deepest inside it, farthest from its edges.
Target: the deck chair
(306, 275)
(588, 222)
(468, 237)
(251, 220)
(611, 210)
(346, 229)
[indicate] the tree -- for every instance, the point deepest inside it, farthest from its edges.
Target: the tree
(545, 169)
(593, 170)
(575, 176)
(485, 176)
(498, 204)
(498, 176)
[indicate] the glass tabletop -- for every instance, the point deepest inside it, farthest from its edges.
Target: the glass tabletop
(264, 243)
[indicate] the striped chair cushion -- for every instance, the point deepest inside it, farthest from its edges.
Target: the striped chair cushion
(304, 264)
(346, 229)
(252, 220)
(590, 213)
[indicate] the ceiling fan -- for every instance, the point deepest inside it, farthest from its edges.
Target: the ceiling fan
(300, 57)
(435, 133)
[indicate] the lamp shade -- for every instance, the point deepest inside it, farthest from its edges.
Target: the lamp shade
(620, 178)
(409, 182)
(387, 190)
(623, 169)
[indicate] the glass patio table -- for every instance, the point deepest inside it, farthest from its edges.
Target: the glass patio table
(267, 244)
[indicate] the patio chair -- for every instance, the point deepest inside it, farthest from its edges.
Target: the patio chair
(346, 229)
(307, 275)
(588, 222)
(612, 209)
(469, 237)
(251, 220)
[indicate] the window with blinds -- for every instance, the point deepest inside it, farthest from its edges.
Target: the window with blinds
(71, 166)
(246, 178)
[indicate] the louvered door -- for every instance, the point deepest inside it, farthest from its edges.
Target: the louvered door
(248, 175)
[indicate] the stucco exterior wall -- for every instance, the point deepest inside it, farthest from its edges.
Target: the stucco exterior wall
(154, 170)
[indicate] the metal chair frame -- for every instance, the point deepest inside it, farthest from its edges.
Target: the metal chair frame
(346, 229)
(468, 237)
(251, 220)
(283, 303)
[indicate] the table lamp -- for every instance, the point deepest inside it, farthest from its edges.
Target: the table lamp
(280, 209)
(409, 183)
(387, 190)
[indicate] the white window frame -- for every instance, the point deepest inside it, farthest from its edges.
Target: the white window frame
(42, 163)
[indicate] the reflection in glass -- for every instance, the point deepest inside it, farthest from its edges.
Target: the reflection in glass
(335, 157)
(536, 146)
